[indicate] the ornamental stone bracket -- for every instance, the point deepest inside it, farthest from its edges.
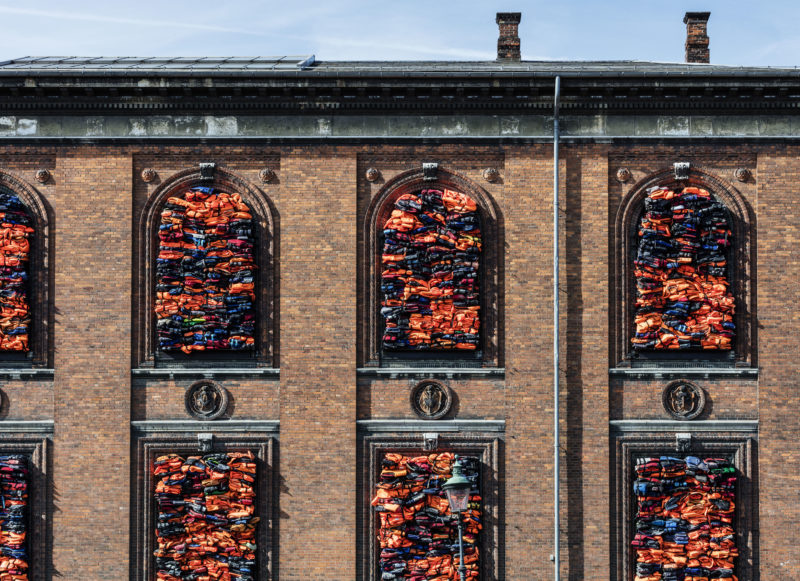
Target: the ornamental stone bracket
(430, 171)
(681, 169)
(205, 442)
(207, 171)
(683, 442)
(430, 441)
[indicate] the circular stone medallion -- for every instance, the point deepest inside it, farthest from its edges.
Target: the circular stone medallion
(491, 175)
(149, 174)
(206, 400)
(683, 400)
(431, 399)
(42, 175)
(742, 174)
(266, 175)
(623, 175)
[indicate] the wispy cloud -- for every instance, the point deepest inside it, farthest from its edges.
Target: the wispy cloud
(333, 43)
(419, 48)
(782, 52)
(118, 20)
(419, 29)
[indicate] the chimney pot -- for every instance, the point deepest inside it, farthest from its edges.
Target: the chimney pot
(508, 48)
(697, 37)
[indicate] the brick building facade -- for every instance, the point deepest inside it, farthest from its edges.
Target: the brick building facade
(95, 147)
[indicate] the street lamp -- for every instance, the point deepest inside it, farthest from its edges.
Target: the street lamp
(457, 489)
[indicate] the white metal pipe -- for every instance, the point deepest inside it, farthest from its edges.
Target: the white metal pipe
(556, 352)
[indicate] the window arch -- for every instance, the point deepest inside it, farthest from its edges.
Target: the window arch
(24, 280)
(208, 244)
(433, 261)
(684, 269)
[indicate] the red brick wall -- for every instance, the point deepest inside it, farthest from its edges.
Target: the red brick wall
(586, 304)
(527, 207)
(778, 398)
(93, 205)
(96, 195)
(318, 388)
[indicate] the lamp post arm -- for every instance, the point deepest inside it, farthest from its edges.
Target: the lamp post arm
(462, 568)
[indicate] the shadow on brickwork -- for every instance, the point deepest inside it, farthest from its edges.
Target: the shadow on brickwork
(51, 506)
(748, 561)
(573, 406)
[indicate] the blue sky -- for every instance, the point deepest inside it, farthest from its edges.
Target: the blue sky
(742, 33)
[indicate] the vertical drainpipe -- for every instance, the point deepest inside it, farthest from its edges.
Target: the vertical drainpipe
(556, 353)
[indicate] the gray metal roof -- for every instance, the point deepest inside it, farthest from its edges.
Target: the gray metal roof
(308, 65)
(75, 64)
(543, 67)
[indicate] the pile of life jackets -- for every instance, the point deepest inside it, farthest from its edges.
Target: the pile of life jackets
(418, 535)
(683, 300)
(206, 528)
(205, 269)
(429, 278)
(15, 235)
(684, 519)
(13, 517)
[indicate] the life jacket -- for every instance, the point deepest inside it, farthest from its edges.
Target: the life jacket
(458, 202)
(660, 193)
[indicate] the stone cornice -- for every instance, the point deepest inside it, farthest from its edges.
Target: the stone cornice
(466, 94)
(341, 126)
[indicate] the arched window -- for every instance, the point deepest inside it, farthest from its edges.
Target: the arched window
(684, 260)
(209, 291)
(683, 295)
(205, 273)
(24, 282)
(433, 262)
(430, 277)
(16, 235)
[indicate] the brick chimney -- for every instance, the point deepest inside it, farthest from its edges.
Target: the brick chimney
(508, 41)
(696, 37)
